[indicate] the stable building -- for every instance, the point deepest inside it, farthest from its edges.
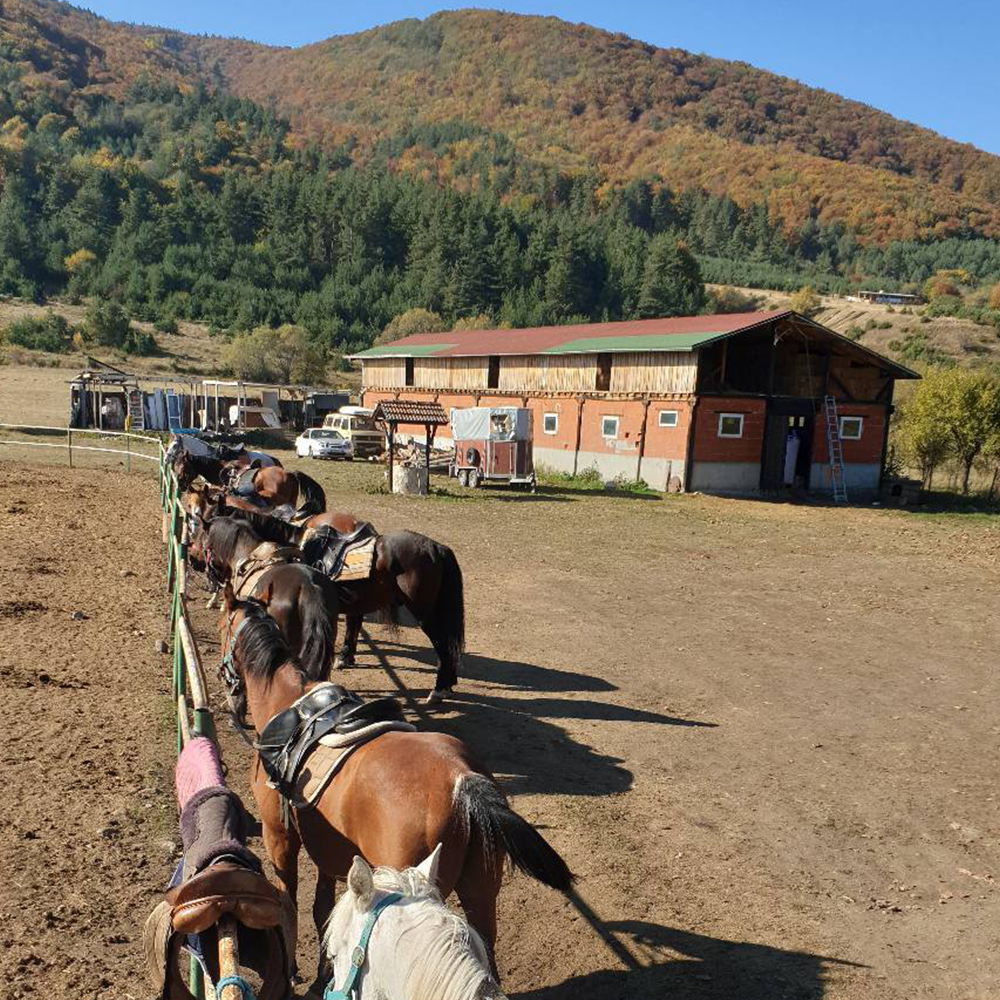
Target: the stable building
(738, 403)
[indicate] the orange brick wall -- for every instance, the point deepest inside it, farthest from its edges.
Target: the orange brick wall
(867, 450)
(709, 447)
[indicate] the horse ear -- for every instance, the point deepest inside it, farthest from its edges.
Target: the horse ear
(361, 883)
(429, 866)
(229, 596)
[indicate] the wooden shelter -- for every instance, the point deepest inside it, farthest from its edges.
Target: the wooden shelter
(393, 413)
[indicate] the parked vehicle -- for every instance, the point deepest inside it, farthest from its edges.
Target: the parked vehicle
(493, 443)
(320, 442)
(356, 424)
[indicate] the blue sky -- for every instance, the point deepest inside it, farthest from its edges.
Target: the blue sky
(935, 64)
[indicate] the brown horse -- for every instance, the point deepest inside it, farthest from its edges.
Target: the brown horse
(411, 570)
(302, 600)
(207, 503)
(394, 800)
(271, 486)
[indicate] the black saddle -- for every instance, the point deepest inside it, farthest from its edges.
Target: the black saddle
(325, 548)
(329, 708)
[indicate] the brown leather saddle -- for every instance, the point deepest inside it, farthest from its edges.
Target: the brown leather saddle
(286, 740)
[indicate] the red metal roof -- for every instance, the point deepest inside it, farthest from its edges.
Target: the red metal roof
(559, 339)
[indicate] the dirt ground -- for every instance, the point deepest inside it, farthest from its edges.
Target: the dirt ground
(764, 736)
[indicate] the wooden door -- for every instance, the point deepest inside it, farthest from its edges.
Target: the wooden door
(772, 464)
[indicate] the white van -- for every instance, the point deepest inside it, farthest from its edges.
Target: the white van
(356, 424)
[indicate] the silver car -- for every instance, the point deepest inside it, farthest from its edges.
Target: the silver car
(319, 442)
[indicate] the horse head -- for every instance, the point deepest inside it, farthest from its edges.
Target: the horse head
(418, 948)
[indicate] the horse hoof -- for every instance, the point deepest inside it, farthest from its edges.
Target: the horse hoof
(211, 604)
(437, 696)
(342, 663)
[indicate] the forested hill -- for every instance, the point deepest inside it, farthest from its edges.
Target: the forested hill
(481, 99)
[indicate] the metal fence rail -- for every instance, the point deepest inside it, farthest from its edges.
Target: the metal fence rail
(190, 690)
(128, 452)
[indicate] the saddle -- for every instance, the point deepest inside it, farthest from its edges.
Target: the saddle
(326, 549)
(241, 483)
(288, 738)
(247, 572)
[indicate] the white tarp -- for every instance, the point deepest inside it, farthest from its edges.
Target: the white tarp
(494, 423)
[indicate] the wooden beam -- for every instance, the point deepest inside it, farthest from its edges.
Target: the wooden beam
(843, 388)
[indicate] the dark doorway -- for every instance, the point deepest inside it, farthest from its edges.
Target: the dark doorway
(603, 383)
(786, 459)
(493, 372)
(408, 380)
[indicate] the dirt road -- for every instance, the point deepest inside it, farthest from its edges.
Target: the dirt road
(764, 736)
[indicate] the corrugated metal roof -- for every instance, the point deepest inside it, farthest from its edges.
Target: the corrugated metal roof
(681, 333)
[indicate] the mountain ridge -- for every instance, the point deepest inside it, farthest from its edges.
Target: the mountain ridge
(561, 97)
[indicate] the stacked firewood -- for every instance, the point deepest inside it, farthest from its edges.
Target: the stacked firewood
(413, 454)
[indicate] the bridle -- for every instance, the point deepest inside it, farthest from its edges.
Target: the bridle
(232, 679)
(360, 953)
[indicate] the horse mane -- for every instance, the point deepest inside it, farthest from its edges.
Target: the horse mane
(260, 645)
(224, 534)
(441, 956)
(270, 529)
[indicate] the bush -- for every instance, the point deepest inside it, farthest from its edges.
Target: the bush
(165, 324)
(410, 322)
(50, 332)
(806, 302)
(854, 332)
(732, 300)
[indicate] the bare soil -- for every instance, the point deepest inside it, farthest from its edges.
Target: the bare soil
(763, 735)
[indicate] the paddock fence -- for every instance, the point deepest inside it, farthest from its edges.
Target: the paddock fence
(129, 446)
(190, 696)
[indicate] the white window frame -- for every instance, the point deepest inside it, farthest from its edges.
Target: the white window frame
(555, 417)
(604, 433)
(668, 423)
(852, 437)
(735, 416)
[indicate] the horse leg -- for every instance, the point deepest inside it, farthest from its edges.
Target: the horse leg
(447, 674)
(322, 908)
(345, 658)
(478, 887)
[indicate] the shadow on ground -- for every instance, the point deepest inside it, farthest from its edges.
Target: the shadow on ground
(670, 962)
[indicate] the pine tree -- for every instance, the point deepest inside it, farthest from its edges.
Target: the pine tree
(671, 281)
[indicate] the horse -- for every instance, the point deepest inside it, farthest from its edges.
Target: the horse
(395, 798)
(272, 485)
(410, 570)
(303, 601)
(416, 948)
(205, 504)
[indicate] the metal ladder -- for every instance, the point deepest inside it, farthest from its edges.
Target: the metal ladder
(835, 447)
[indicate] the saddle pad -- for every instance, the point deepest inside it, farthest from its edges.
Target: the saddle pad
(358, 560)
(198, 767)
(330, 754)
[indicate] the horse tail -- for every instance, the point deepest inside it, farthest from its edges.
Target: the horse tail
(484, 809)
(450, 612)
(318, 631)
(314, 499)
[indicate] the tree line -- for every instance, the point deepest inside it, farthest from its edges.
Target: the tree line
(195, 206)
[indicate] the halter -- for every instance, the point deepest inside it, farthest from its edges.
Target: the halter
(360, 953)
(227, 668)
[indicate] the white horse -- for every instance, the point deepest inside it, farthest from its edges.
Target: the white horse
(391, 937)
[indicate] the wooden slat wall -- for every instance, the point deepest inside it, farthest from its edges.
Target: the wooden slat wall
(654, 372)
(556, 373)
(383, 373)
(450, 373)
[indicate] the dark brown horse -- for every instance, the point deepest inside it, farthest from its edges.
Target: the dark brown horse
(395, 799)
(411, 570)
(302, 600)
(271, 485)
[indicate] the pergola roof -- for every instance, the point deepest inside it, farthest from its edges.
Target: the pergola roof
(405, 411)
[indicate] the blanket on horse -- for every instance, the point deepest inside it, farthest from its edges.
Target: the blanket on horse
(217, 875)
